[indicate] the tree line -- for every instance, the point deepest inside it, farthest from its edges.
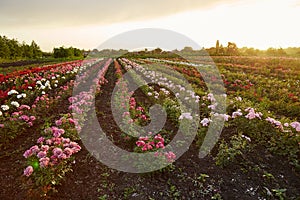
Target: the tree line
(12, 49)
(232, 50)
(71, 52)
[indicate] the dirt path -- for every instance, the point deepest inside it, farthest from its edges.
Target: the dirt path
(24, 62)
(88, 173)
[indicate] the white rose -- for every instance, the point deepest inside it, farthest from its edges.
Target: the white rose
(5, 107)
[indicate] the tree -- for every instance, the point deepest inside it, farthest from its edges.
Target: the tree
(251, 52)
(281, 52)
(211, 51)
(70, 52)
(36, 51)
(14, 48)
(4, 49)
(271, 52)
(217, 47)
(157, 51)
(187, 49)
(27, 51)
(221, 50)
(232, 49)
(11, 48)
(275, 52)
(59, 52)
(77, 52)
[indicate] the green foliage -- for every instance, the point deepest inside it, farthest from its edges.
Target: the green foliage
(275, 52)
(268, 176)
(233, 50)
(217, 47)
(11, 130)
(228, 153)
(128, 192)
(294, 51)
(103, 197)
(172, 108)
(230, 50)
(12, 49)
(173, 191)
(111, 53)
(280, 193)
(217, 196)
(70, 52)
(203, 177)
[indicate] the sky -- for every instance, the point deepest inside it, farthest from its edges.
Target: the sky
(87, 24)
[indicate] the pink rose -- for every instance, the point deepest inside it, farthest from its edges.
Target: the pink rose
(44, 162)
(140, 143)
(68, 152)
(27, 153)
(32, 118)
(40, 140)
(28, 171)
(41, 154)
(170, 156)
(160, 145)
(34, 149)
(57, 151)
(44, 147)
(58, 122)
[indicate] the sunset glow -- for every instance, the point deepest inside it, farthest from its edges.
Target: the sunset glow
(259, 24)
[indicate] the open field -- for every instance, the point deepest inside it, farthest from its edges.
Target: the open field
(46, 114)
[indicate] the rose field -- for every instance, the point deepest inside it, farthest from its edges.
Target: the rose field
(51, 149)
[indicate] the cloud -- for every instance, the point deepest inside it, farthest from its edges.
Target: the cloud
(64, 13)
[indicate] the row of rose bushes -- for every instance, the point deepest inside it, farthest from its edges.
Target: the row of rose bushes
(53, 155)
(197, 75)
(276, 81)
(170, 89)
(24, 108)
(281, 136)
(23, 80)
(272, 93)
(25, 88)
(138, 115)
(282, 67)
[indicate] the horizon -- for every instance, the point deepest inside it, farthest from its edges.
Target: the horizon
(151, 48)
(251, 23)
